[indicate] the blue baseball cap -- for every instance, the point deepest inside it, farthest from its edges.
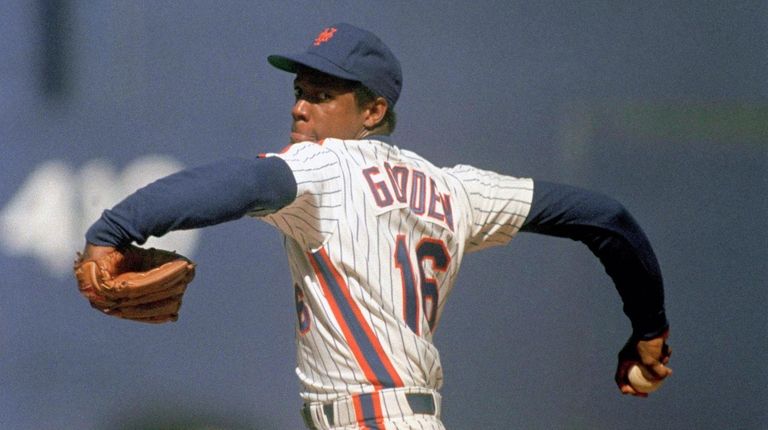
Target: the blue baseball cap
(348, 52)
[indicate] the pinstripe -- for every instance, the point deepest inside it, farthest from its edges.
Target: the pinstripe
(366, 347)
(414, 339)
(358, 337)
(377, 308)
(323, 359)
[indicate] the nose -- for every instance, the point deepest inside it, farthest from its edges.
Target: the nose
(300, 110)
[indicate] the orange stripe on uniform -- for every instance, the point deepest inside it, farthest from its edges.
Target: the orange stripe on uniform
(376, 398)
(348, 336)
(368, 412)
(359, 415)
(361, 320)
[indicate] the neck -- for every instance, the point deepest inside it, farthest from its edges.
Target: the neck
(376, 131)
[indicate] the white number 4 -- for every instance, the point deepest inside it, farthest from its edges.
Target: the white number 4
(49, 214)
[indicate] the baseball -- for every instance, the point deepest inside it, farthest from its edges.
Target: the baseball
(642, 380)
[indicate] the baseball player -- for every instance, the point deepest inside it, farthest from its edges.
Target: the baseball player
(374, 235)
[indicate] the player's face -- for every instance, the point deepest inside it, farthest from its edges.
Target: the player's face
(325, 107)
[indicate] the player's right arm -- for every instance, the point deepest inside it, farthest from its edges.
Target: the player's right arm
(193, 198)
(613, 235)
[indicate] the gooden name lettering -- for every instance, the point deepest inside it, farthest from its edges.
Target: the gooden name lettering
(399, 186)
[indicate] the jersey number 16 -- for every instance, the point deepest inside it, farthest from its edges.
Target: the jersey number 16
(426, 291)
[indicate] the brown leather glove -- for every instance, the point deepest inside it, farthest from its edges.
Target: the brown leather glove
(134, 283)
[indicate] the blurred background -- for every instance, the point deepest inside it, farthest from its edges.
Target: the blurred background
(662, 105)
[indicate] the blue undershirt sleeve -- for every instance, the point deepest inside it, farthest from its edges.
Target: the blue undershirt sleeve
(197, 197)
(612, 234)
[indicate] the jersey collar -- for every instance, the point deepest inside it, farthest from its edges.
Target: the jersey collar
(380, 137)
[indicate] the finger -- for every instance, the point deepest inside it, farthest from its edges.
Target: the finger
(655, 365)
(621, 377)
(666, 353)
(660, 371)
(628, 390)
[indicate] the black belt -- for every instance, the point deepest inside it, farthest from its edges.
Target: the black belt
(420, 403)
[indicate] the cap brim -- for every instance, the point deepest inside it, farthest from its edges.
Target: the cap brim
(289, 63)
(282, 63)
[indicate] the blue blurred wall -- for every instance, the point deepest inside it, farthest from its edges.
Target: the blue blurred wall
(663, 105)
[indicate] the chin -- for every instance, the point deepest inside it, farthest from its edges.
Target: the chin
(299, 137)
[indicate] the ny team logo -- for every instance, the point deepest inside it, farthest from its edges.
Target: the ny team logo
(324, 36)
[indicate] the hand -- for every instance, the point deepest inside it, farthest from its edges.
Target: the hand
(653, 354)
(95, 252)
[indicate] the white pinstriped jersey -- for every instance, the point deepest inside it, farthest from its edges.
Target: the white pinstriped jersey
(375, 238)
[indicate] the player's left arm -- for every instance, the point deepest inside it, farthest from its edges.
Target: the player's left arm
(147, 285)
(615, 237)
(197, 197)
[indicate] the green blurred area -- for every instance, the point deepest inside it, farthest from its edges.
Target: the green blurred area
(732, 123)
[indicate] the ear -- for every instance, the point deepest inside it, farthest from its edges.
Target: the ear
(374, 113)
